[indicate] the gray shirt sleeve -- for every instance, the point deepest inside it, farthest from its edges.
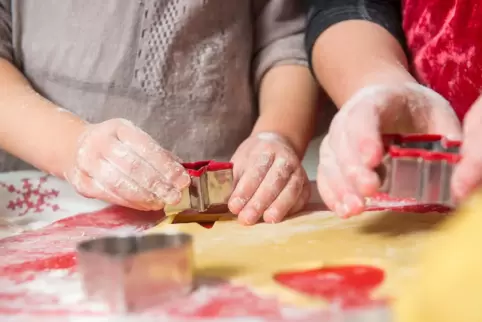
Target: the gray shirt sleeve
(5, 30)
(279, 36)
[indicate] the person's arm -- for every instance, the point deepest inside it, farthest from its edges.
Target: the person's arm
(288, 95)
(114, 161)
(357, 56)
(288, 105)
(354, 44)
(31, 127)
(270, 181)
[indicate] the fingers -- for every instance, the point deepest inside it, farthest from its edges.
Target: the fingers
(353, 147)
(358, 149)
(326, 192)
(272, 186)
(436, 112)
(336, 190)
(468, 172)
(140, 172)
(447, 125)
(290, 198)
(303, 198)
(119, 163)
(249, 182)
(467, 177)
(272, 182)
(91, 188)
(348, 155)
(162, 161)
(107, 177)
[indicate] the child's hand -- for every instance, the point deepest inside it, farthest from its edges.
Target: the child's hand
(270, 180)
(468, 173)
(119, 163)
(353, 147)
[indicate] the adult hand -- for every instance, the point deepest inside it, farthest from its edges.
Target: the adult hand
(270, 180)
(468, 172)
(353, 146)
(119, 163)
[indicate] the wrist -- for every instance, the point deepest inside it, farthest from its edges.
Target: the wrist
(294, 142)
(67, 150)
(373, 56)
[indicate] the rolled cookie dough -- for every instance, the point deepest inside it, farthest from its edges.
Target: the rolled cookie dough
(250, 256)
(449, 285)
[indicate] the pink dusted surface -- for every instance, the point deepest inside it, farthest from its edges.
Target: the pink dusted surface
(37, 266)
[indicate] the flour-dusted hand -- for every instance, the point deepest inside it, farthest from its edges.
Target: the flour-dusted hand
(353, 145)
(270, 180)
(468, 173)
(119, 163)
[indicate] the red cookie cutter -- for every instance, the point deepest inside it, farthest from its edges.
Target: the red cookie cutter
(211, 185)
(419, 166)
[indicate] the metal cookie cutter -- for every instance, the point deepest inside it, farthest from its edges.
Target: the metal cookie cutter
(132, 274)
(419, 166)
(211, 185)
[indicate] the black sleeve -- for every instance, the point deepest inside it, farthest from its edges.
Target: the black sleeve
(322, 14)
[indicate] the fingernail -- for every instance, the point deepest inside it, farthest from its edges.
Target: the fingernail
(237, 204)
(249, 216)
(155, 205)
(271, 216)
(342, 210)
(353, 202)
(183, 180)
(172, 197)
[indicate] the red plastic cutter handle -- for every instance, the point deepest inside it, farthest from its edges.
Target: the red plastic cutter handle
(398, 152)
(198, 168)
(390, 139)
(392, 143)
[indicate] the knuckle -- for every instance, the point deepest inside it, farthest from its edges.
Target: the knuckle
(157, 187)
(257, 204)
(134, 167)
(306, 193)
(285, 168)
(81, 188)
(173, 171)
(264, 160)
(118, 122)
(273, 192)
(297, 183)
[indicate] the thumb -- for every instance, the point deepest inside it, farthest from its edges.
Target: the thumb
(446, 123)
(441, 118)
(363, 139)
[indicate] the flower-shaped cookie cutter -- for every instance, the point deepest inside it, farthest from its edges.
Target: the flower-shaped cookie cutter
(419, 166)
